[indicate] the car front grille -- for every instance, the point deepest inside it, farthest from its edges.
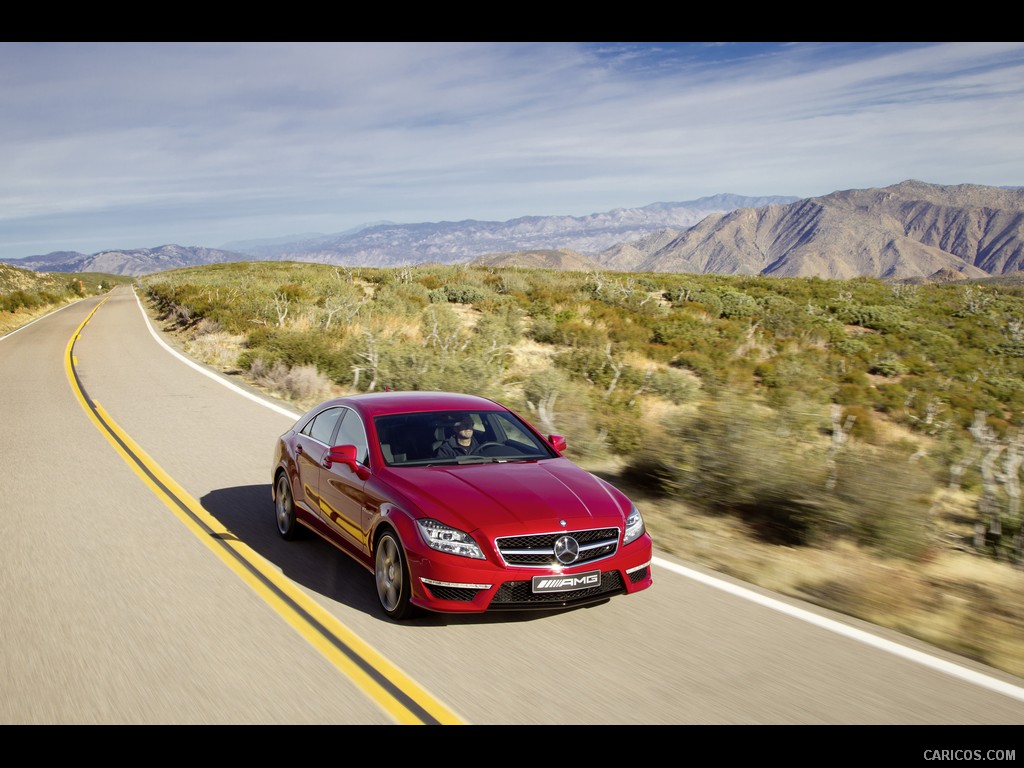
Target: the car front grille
(538, 550)
(519, 595)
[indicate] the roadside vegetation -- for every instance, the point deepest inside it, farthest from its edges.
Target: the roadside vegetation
(26, 295)
(856, 444)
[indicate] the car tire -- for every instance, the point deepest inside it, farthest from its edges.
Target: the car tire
(391, 571)
(284, 508)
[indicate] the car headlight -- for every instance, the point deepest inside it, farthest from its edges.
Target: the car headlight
(634, 525)
(444, 538)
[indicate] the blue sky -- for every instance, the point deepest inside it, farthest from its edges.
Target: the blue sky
(137, 145)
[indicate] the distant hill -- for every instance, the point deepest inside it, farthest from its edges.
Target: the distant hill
(561, 259)
(912, 230)
(140, 261)
(393, 245)
(904, 231)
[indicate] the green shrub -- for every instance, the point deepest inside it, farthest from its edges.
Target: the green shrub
(457, 294)
(882, 502)
(888, 367)
(294, 349)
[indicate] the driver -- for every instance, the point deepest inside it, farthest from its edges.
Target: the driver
(462, 443)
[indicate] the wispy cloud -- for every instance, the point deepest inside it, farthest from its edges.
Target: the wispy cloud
(120, 145)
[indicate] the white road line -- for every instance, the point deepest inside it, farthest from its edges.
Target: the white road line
(963, 673)
(216, 377)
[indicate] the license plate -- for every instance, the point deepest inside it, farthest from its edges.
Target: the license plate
(566, 583)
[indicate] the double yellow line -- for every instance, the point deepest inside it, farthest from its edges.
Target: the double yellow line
(398, 695)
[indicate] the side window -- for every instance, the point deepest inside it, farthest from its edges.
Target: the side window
(514, 432)
(352, 433)
(322, 425)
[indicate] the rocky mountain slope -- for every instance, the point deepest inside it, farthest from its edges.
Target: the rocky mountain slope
(905, 231)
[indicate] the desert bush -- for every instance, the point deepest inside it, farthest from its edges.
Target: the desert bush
(510, 284)
(863, 424)
(207, 326)
(1008, 390)
(784, 318)
(734, 457)
(888, 367)
(601, 367)
(672, 384)
(399, 299)
(20, 299)
(301, 383)
(618, 421)
(799, 375)
(543, 329)
(882, 502)
(214, 347)
(494, 336)
(735, 304)
(459, 293)
(442, 330)
(852, 347)
(296, 348)
(557, 405)
(683, 330)
(881, 318)
(579, 333)
(852, 393)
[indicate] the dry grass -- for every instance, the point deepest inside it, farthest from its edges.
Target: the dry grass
(11, 321)
(217, 349)
(529, 357)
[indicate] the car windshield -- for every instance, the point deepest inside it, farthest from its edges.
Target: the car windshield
(457, 437)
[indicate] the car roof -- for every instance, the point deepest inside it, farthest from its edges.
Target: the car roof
(372, 404)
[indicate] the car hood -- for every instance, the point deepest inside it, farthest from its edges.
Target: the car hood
(508, 496)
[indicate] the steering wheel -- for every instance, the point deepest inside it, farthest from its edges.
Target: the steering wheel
(491, 444)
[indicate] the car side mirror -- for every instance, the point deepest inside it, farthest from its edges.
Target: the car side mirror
(346, 454)
(557, 442)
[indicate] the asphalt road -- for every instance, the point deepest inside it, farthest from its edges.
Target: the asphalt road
(142, 581)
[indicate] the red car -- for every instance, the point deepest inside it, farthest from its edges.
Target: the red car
(457, 505)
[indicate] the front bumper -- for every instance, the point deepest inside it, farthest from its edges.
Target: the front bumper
(450, 584)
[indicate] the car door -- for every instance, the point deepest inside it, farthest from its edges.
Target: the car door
(311, 446)
(343, 498)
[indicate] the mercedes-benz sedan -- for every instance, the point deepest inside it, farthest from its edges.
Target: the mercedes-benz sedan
(456, 504)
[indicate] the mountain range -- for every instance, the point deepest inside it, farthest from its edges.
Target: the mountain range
(911, 230)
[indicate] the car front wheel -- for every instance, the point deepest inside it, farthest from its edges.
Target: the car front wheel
(392, 573)
(284, 508)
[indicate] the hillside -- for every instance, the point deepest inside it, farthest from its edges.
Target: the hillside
(560, 259)
(26, 295)
(909, 230)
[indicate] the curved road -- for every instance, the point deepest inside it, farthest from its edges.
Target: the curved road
(143, 582)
